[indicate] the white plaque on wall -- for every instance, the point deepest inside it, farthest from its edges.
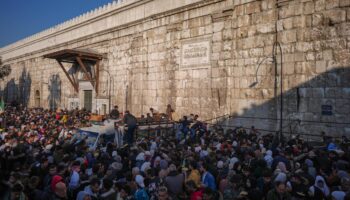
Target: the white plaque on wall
(195, 53)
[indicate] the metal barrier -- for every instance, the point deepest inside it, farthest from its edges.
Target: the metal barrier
(159, 128)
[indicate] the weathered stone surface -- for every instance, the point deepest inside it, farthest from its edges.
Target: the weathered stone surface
(266, 28)
(147, 55)
(335, 16)
(343, 3)
(320, 66)
(320, 5)
(288, 36)
(243, 20)
(309, 8)
(332, 4)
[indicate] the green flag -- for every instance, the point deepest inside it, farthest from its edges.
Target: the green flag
(2, 106)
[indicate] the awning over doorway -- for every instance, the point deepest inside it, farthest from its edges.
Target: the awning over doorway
(85, 61)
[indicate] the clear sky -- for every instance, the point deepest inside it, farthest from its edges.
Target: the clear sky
(22, 18)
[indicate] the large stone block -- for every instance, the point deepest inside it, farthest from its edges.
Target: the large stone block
(216, 47)
(342, 106)
(344, 29)
(252, 31)
(288, 57)
(304, 46)
(239, 10)
(346, 93)
(228, 46)
(321, 66)
(265, 28)
(317, 19)
(342, 55)
(264, 17)
(332, 92)
(332, 3)
(318, 92)
(328, 54)
(287, 23)
(288, 36)
(268, 4)
(242, 32)
(243, 20)
(288, 68)
(314, 106)
(217, 37)
(218, 26)
(310, 56)
(320, 5)
(336, 15)
(344, 3)
(228, 34)
(305, 68)
(225, 55)
(256, 52)
(253, 7)
(309, 8)
(305, 92)
(302, 21)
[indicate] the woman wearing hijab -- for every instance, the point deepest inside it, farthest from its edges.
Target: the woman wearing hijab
(268, 158)
(319, 190)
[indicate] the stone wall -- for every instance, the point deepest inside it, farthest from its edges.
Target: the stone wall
(146, 56)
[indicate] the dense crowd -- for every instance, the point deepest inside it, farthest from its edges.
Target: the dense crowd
(41, 161)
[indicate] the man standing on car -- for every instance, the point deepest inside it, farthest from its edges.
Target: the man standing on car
(114, 114)
(131, 122)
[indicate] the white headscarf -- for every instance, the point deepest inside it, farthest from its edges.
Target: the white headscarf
(268, 158)
(324, 189)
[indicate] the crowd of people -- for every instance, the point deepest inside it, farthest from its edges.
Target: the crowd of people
(41, 161)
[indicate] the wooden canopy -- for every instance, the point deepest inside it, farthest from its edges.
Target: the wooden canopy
(80, 58)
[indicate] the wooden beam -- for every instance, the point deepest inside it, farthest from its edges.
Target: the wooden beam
(74, 79)
(97, 72)
(69, 78)
(85, 71)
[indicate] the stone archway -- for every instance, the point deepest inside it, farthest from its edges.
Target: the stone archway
(37, 99)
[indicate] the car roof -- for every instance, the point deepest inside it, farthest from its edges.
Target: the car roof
(97, 129)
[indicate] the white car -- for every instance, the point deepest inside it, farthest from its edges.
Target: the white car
(101, 134)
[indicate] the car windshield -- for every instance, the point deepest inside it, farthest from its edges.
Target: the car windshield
(90, 137)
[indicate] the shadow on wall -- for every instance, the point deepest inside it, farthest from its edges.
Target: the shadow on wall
(25, 84)
(320, 104)
(11, 91)
(54, 97)
(18, 93)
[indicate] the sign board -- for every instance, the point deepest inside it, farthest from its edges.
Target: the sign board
(327, 109)
(195, 53)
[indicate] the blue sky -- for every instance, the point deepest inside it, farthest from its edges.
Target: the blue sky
(22, 18)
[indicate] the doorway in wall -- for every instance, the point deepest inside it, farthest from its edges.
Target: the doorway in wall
(88, 99)
(37, 98)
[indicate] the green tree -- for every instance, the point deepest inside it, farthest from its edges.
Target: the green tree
(5, 70)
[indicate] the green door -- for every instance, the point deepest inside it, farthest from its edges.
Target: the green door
(88, 99)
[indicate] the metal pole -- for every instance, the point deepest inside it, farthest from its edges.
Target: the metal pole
(277, 44)
(109, 93)
(109, 89)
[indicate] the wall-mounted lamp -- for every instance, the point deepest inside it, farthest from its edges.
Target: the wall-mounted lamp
(257, 70)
